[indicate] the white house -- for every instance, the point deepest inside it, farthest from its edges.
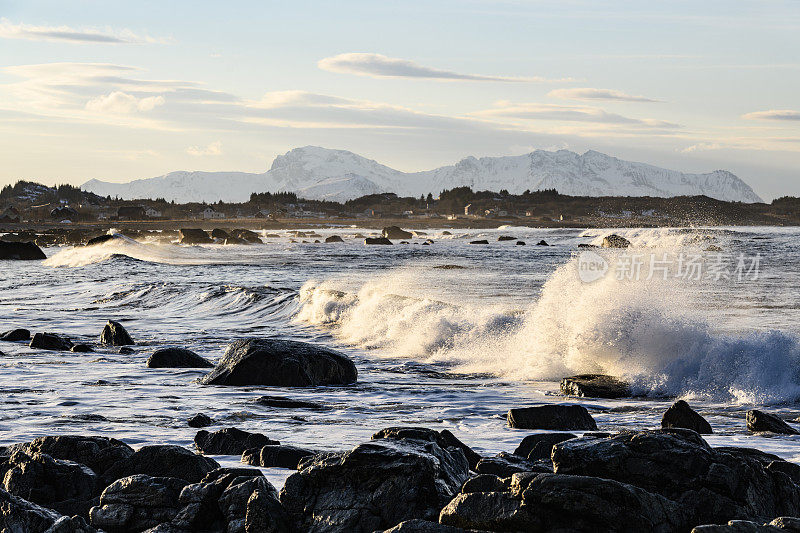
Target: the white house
(152, 213)
(210, 213)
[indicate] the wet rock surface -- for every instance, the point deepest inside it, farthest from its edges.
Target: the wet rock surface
(595, 386)
(552, 416)
(229, 441)
(760, 421)
(176, 358)
(15, 335)
(163, 460)
(114, 334)
(51, 341)
(20, 251)
(276, 455)
(680, 415)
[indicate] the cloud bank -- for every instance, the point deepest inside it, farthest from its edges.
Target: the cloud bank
(28, 32)
(588, 94)
(773, 114)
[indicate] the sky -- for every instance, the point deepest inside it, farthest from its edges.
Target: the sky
(125, 90)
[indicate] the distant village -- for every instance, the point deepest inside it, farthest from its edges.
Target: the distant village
(33, 203)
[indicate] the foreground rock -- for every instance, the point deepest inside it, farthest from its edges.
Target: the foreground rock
(760, 421)
(551, 416)
(20, 251)
(374, 486)
(540, 446)
(114, 334)
(229, 441)
(444, 438)
(779, 525)
(199, 420)
(505, 464)
(194, 236)
(615, 241)
(98, 453)
(15, 335)
(551, 502)
(595, 386)
(18, 515)
(377, 240)
(137, 503)
(680, 415)
(163, 460)
(51, 341)
(176, 358)
(394, 232)
(283, 363)
(711, 485)
(276, 455)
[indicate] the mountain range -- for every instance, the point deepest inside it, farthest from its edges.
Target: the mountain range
(338, 175)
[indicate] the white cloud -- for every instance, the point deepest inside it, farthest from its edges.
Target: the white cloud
(119, 102)
(535, 111)
(214, 148)
(588, 94)
(773, 114)
(9, 30)
(702, 147)
(381, 66)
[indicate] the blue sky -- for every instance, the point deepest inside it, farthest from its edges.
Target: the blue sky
(125, 90)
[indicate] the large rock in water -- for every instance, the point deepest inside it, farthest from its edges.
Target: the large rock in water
(552, 416)
(595, 386)
(374, 486)
(15, 335)
(229, 441)
(194, 236)
(281, 363)
(163, 460)
(444, 438)
(176, 358)
(24, 251)
(394, 232)
(51, 341)
(680, 415)
(761, 421)
(377, 240)
(711, 485)
(137, 503)
(279, 455)
(115, 334)
(98, 453)
(615, 241)
(62, 485)
(551, 502)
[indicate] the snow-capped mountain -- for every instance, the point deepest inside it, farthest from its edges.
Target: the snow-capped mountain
(319, 173)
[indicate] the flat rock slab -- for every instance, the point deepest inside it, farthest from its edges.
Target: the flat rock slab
(595, 386)
(550, 416)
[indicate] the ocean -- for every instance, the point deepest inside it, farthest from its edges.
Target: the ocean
(448, 335)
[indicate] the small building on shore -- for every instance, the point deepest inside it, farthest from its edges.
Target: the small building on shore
(151, 212)
(209, 213)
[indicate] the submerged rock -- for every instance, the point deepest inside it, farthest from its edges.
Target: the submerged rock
(276, 455)
(542, 243)
(334, 238)
(21, 251)
(229, 441)
(247, 235)
(520, 243)
(540, 445)
(15, 335)
(282, 402)
(176, 358)
(394, 232)
(615, 241)
(114, 334)
(480, 241)
(283, 363)
(506, 238)
(199, 421)
(595, 386)
(761, 421)
(124, 350)
(552, 416)
(194, 236)
(680, 415)
(374, 486)
(163, 460)
(137, 503)
(377, 240)
(51, 341)
(81, 348)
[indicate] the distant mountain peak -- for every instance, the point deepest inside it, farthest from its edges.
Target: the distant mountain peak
(315, 172)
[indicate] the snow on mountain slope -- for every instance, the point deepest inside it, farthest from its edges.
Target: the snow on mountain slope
(339, 175)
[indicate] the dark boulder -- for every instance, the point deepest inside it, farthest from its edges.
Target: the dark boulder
(137, 503)
(98, 453)
(199, 421)
(506, 238)
(615, 241)
(422, 526)
(276, 455)
(552, 416)
(64, 486)
(15, 335)
(394, 232)
(480, 241)
(542, 243)
(220, 234)
(484, 483)
(286, 403)
(114, 334)
(176, 358)
(194, 236)
(229, 441)
(374, 486)
(761, 421)
(18, 515)
(22, 251)
(595, 386)
(100, 240)
(712, 485)
(235, 500)
(246, 235)
(377, 240)
(520, 243)
(540, 445)
(506, 464)
(51, 341)
(124, 350)
(551, 502)
(281, 363)
(265, 514)
(334, 238)
(163, 460)
(680, 415)
(81, 348)
(443, 438)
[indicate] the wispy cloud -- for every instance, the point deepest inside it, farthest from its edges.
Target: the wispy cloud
(123, 103)
(381, 66)
(10, 30)
(589, 94)
(774, 114)
(535, 111)
(214, 148)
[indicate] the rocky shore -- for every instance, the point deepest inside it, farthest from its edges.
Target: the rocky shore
(566, 476)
